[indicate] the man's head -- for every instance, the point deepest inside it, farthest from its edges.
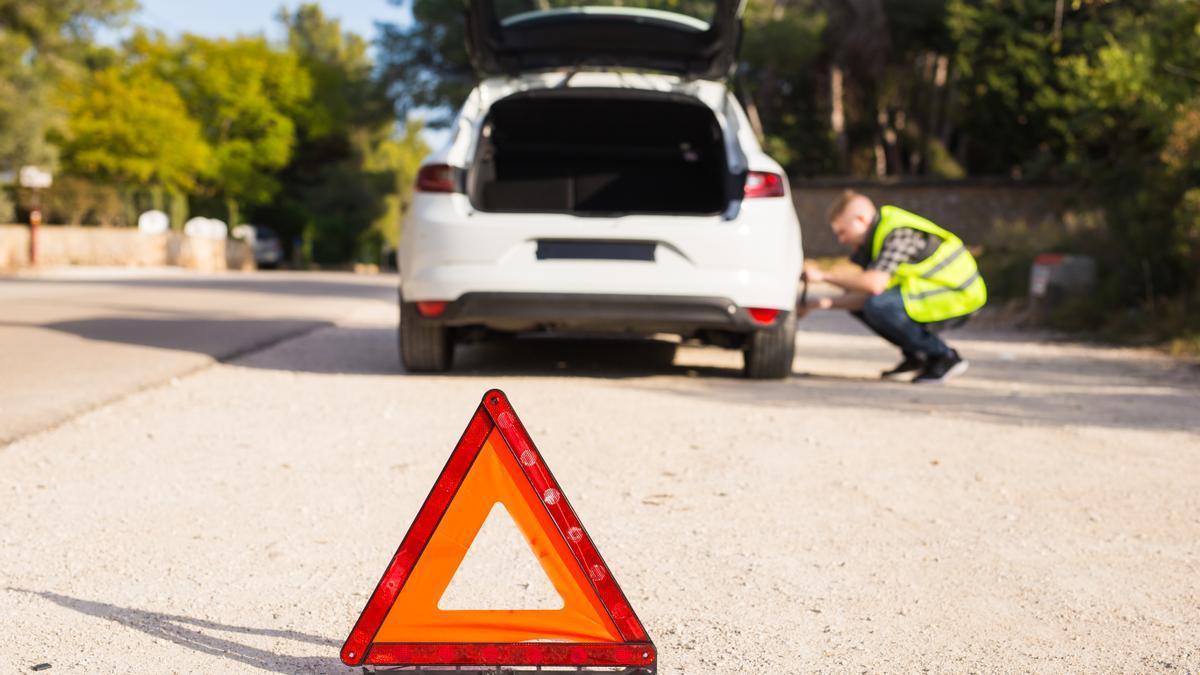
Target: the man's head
(851, 217)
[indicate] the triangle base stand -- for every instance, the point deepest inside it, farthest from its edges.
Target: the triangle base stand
(503, 670)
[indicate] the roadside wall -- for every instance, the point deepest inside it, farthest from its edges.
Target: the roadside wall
(121, 247)
(14, 246)
(977, 211)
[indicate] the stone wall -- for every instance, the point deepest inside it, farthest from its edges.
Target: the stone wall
(121, 247)
(14, 246)
(977, 211)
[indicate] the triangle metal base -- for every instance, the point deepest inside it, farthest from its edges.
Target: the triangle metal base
(507, 670)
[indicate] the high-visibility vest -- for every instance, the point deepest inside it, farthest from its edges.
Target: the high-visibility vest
(946, 285)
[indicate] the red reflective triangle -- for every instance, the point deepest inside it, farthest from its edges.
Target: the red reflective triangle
(497, 462)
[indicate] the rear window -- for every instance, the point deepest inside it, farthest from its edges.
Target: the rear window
(701, 10)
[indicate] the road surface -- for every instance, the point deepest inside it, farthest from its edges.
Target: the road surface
(209, 474)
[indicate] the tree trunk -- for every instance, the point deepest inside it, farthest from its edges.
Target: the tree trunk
(179, 210)
(1056, 36)
(837, 115)
(949, 100)
(129, 210)
(751, 109)
(231, 206)
(157, 202)
(887, 135)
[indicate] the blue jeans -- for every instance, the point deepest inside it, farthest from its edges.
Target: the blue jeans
(884, 314)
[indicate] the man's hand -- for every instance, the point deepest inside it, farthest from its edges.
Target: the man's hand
(813, 273)
(871, 282)
(814, 303)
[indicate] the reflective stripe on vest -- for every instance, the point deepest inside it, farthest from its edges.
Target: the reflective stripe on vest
(945, 285)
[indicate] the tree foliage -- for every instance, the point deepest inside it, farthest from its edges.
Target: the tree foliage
(339, 186)
(426, 61)
(1106, 98)
(40, 42)
(132, 128)
(247, 96)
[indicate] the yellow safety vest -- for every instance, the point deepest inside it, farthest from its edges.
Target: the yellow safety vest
(946, 285)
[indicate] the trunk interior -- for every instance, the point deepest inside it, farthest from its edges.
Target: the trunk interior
(600, 155)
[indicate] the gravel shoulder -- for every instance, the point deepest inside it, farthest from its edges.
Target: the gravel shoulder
(1041, 514)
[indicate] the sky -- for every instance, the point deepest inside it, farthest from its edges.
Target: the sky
(226, 18)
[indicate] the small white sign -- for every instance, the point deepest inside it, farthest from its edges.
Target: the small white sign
(206, 228)
(246, 233)
(153, 222)
(35, 177)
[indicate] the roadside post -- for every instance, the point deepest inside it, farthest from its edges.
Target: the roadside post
(36, 180)
(35, 223)
(496, 462)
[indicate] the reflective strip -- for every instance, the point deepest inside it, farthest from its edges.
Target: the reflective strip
(945, 263)
(938, 291)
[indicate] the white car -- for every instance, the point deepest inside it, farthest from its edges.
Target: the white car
(601, 179)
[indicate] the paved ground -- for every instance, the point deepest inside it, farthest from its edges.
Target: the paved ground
(1041, 514)
(74, 339)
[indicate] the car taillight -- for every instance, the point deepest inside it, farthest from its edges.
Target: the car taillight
(431, 310)
(763, 184)
(763, 316)
(436, 178)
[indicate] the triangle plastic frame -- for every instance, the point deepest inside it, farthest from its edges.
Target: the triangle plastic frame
(636, 651)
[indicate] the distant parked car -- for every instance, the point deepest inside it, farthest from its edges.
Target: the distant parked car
(268, 250)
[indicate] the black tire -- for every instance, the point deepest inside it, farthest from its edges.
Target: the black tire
(424, 347)
(768, 354)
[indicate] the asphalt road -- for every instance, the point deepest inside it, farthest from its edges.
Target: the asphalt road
(74, 339)
(209, 474)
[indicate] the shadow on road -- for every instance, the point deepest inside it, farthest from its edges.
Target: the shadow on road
(1163, 408)
(352, 350)
(1011, 381)
(222, 339)
(189, 632)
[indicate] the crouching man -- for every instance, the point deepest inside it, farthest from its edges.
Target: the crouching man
(917, 279)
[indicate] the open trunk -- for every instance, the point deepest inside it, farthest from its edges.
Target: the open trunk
(600, 154)
(692, 39)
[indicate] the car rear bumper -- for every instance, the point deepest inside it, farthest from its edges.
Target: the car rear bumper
(643, 314)
(449, 250)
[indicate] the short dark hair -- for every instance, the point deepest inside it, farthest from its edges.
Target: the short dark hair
(839, 205)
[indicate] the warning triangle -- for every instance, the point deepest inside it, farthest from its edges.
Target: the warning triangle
(496, 467)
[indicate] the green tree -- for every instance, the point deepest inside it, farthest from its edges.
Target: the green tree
(426, 61)
(778, 81)
(246, 95)
(132, 128)
(1100, 94)
(40, 41)
(341, 182)
(400, 156)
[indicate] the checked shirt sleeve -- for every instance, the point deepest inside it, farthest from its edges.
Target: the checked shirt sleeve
(901, 246)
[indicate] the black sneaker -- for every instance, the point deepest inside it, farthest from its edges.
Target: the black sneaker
(911, 364)
(942, 368)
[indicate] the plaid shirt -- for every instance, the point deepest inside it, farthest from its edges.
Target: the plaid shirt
(903, 245)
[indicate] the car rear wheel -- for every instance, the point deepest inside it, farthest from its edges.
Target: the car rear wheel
(768, 353)
(424, 347)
